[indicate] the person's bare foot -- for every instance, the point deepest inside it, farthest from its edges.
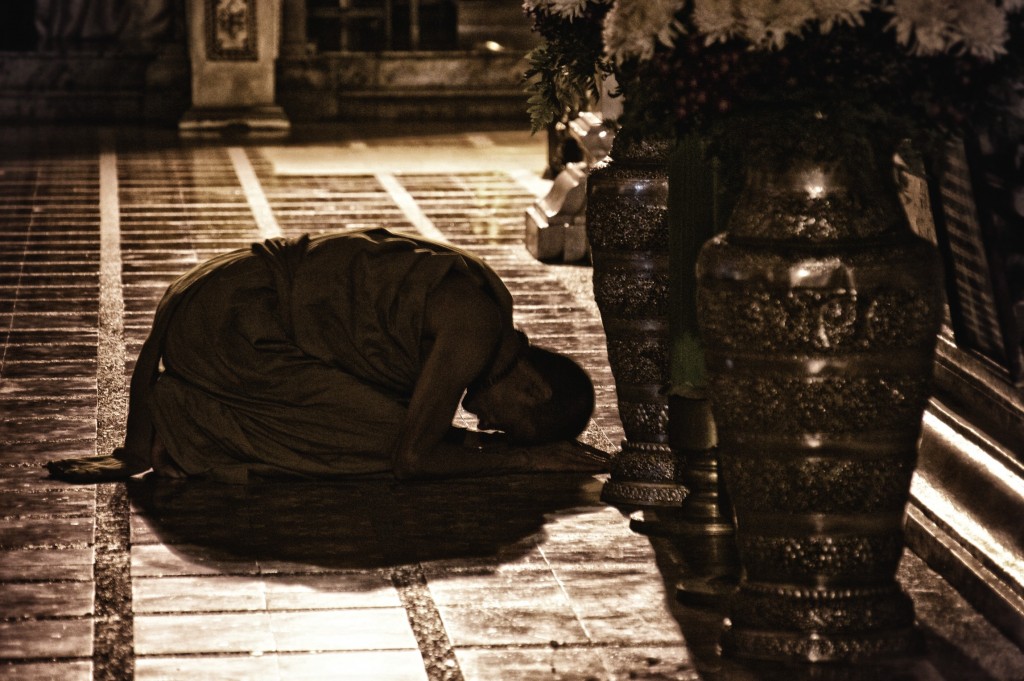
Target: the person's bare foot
(90, 469)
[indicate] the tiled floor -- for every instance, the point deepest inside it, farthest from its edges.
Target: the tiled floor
(500, 579)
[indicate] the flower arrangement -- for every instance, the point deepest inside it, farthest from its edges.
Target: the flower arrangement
(917, 67)
(564, 71)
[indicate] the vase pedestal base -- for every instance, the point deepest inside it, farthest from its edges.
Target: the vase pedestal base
(636, 493)
(777, 646)
(841, 624)
(904, 668)
(709, 565)
(644, 474)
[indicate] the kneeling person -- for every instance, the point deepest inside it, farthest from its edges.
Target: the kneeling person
(342, 355)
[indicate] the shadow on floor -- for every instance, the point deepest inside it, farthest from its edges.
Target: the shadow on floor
(940, 659)
(298, 527)
(359, 525)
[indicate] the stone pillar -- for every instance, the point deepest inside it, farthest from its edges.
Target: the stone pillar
(294, 42)
(233, 47)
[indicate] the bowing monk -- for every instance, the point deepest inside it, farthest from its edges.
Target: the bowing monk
(342, 355)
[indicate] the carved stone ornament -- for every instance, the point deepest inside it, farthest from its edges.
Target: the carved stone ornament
(231, 30)
(819, 310)
(627, 227)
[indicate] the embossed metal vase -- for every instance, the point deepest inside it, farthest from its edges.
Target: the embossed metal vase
(819, 309)
(627, 226)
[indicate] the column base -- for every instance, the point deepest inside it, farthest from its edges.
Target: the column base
(257, 121)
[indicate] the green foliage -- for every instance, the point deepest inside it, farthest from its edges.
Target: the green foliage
(564, 73)
(556, 91)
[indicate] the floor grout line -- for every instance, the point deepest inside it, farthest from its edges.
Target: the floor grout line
(254, 194)
(113, 654)
(17, 284)
(410, 208)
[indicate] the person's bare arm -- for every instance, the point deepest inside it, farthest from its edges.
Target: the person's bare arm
(465, 326)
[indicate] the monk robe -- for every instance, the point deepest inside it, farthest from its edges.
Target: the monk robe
(293, 356)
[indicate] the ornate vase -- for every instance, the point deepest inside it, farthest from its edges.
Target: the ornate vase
(819, 309)
(628, 231)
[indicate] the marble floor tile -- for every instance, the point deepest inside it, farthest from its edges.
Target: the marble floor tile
(198, 594)
(46, 429)
(512, 626)
(47, 564)
(83, 350)
(383, 665)
(349, 629)
(42, 599)
(46, 532)
(651, 663)
(523, 588)
(331, 591)
(31, 474)
(41, 639)
(74, 670)
(316, 563)
(245, 667)
(22, 368)
(248, 633)
(199, 528)
(547, 663)
(372, 665)
(157, 560)
(46, 386)
(75, 501)
(338, 590)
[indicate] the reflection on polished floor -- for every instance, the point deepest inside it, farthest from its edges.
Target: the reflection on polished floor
(494, 579)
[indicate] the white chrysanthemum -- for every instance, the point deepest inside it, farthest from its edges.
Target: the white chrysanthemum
(831, 13)
(980, 27)
(769, 23)
(924, 26)
(718, 20)
(568, 9)
(633, 28)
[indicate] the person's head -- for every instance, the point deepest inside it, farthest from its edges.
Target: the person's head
(545, 397)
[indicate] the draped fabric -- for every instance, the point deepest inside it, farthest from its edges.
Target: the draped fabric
(298, 356)
(77, 23)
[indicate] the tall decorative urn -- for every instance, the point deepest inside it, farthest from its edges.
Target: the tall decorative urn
(819, 309)
(628, 231)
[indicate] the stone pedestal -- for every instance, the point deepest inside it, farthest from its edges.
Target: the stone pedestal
(233, 47)
(556, 224)
(294, 41)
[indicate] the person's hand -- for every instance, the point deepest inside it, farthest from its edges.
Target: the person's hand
(559, 457)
